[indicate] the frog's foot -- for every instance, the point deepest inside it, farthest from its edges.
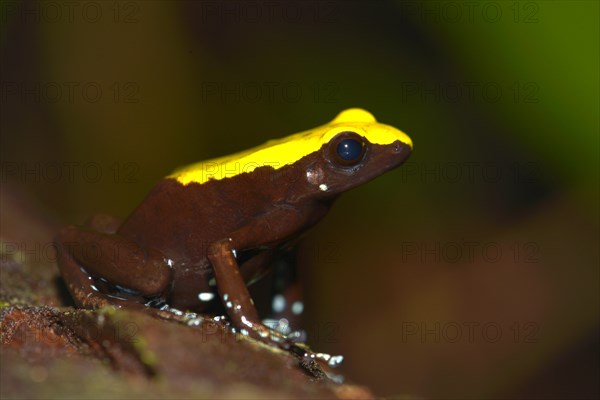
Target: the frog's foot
(300, 349)
(243, 314)
(162, 310)
(283, 326)
(298, 337)
(317, 364)
(311, 361)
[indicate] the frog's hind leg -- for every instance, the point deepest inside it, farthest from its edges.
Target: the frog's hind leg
(79, 283)
(286, 306)
(85, 253)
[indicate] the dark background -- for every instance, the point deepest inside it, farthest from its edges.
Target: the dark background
(471, 272)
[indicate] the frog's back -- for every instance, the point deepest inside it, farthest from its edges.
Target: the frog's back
(181, 221)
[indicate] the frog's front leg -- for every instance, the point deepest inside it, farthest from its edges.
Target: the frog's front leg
(95, 251)
(236, 298)
(232, 288)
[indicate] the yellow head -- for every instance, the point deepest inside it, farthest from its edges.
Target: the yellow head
(281, 152)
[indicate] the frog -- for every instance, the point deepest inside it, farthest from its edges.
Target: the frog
(208, 230)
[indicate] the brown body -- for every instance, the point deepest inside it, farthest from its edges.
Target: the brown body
(185, 220)
(187, 240)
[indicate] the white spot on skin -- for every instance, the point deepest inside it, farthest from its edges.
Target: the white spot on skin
(228, 304)
(276, 339)
(314, 176)
(226, 296)
(297, 307)
(283, 326)
(323, 187)
(278, 304)
(246, 322)
(333, 361)
(206, 296)
(336, 361)
(195, 322)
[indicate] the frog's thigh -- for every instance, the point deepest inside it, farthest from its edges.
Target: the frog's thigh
(78, 281)
(118, 260)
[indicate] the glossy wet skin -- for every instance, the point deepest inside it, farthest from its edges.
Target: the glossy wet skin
(287, 191)
(206, 230)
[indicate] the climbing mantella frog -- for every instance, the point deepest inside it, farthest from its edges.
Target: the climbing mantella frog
(208, 229)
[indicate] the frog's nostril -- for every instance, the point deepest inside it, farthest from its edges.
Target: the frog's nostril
(399, 148)
(400, 152)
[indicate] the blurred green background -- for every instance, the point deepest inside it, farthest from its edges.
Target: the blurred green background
(471, 272)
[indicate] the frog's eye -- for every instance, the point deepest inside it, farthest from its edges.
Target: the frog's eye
(347, 148)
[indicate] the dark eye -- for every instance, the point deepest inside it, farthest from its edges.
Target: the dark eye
(347, 148)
